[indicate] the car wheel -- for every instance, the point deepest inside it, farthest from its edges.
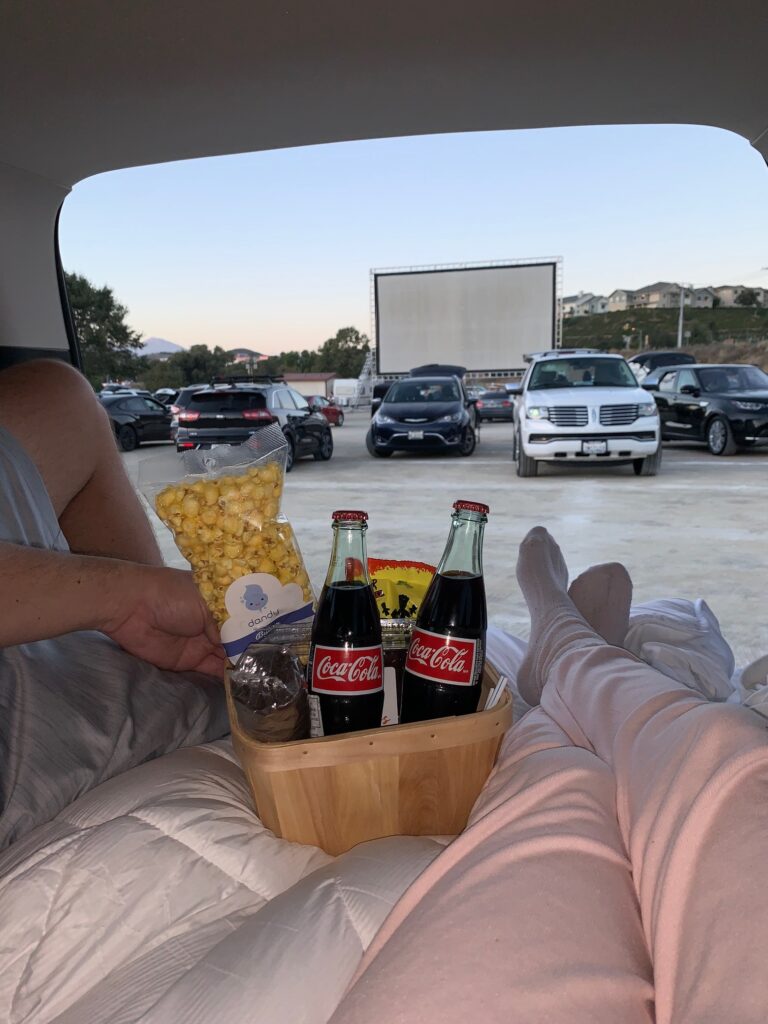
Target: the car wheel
(340, 420)
(650, 465)
(526, 466)
(127, 439)
(290, 455)
(720, 437)
(326, 448)
(468, 442)
(373, 450)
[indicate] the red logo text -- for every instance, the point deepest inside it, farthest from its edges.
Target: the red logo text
(441, 659)
(352, 670)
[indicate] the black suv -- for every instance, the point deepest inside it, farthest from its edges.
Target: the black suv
(427, 414)
(230, 413)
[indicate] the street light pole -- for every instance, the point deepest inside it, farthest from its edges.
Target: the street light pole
(680, 317)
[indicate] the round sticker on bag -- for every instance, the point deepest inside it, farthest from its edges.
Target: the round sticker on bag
(255, 604)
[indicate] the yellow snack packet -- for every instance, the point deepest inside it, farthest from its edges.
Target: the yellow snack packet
(224, 513)
(399, 586)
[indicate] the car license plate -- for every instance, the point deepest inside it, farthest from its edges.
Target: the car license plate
(594, 447)
(415, 435)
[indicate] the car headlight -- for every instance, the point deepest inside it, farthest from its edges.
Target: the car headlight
(537, 412)
(452, 417)
(749, 406)
(648, 409)
(381, 418)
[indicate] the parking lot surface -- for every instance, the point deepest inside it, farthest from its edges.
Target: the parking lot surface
(698, 530)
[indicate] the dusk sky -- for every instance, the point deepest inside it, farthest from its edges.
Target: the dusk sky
(273, 250)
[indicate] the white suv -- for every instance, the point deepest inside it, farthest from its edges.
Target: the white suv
(579, 405)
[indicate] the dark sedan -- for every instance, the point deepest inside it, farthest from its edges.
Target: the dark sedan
(725, 406)
(136, 419)
(495, 404)
(426, 414)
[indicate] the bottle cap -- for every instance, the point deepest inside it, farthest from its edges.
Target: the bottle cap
(359, 517)
(471, 506)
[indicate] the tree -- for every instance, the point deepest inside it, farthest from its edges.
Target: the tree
(748, 297)
(108, 345)
(345, 353)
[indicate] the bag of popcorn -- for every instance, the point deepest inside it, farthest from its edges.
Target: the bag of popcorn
(224, 513)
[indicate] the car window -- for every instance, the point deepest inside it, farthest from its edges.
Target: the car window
(581, 371)
(322, 402)
(211, 402)
(733, 378)
(135, 405)
(667, 382)
(424, 391)
(686, 377)
(299, 400)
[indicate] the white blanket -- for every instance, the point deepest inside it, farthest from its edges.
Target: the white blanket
(158, 897)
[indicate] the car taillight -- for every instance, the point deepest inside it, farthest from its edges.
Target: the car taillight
(175, 410)
(257, 414)
(506, 404)
(185, 444)
(479, 405)
(188, 417)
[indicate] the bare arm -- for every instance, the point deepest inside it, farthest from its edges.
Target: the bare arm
(153, 612)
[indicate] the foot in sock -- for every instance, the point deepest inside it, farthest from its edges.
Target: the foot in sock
(556, 621)
(603, 595)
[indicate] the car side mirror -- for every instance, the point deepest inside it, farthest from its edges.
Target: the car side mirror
(690, 389)
(649, 385)
(314, 407)
(375, 403)
(471, 401)
(514, 389)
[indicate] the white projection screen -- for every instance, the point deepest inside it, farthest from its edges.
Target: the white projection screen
(479, 317)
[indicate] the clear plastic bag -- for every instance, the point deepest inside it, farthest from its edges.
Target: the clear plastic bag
(269, 695)
(224, 513)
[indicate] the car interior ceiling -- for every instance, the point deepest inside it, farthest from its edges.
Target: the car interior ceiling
(97, 87)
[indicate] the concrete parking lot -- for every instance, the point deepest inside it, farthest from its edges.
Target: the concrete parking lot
(698, 530)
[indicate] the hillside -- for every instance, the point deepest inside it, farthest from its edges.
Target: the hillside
(712, 335)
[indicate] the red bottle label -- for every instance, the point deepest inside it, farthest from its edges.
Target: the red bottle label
(347, 670)
(441, 659)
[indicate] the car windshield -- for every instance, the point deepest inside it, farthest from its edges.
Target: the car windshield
(733, 378)
(423, 391)
(581, 371)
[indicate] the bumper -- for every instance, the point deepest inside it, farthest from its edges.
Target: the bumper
(186, 438)
(752, 429)
(630, 443)
(430, 437)
(496, 414)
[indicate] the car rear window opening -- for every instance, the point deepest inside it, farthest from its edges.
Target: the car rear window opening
(228, 401)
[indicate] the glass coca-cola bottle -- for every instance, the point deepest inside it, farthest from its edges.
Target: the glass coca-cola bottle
(445, 659)
(346, 667)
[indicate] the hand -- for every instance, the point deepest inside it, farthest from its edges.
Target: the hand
(161, 617)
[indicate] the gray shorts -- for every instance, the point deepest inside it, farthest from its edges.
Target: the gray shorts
(77, 710)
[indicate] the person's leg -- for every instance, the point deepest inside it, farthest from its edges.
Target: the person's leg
(529, 915)
(53, 413)
(692, 779)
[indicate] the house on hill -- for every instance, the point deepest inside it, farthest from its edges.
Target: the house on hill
(729, 294)
(584, 304)
(246, 356)
(620, 299)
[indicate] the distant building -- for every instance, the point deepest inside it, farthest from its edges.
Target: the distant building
(729, 293)
(246, 355)
(620, 300)
(311, 383)
(584, 304)
(700, 298)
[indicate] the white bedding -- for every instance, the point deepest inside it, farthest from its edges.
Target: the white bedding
(159, 897)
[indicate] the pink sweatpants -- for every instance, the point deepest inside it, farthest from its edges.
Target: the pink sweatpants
(611, 871)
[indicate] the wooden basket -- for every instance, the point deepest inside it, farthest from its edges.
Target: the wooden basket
(338, 791)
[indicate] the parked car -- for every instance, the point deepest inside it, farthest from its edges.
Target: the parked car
(166, 395)
(584, 406)
(426, 414)
(328, 408)
(646, 362)
(723, 405)
(229, 414)
(136, 419)
(494, 404)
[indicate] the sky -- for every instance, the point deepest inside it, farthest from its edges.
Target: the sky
(273, 251)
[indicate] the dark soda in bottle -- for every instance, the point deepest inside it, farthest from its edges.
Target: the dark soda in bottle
(446, 655)
(346, 665)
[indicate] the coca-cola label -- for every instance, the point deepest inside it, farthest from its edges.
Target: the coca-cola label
(347, 670)
(441, 659)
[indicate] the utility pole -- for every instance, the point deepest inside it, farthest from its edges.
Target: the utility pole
(680, 317)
